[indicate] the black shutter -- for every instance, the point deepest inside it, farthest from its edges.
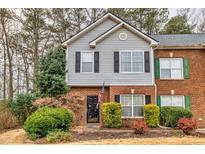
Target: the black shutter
(116, 62)
(117, 98)
(147, 61)
(96, 62)
(148, 99)
(77, 62)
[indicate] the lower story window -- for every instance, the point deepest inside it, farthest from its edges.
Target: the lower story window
(132, 105)
(177, 101)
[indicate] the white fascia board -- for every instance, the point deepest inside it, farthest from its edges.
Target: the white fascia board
(152, 42)
(93, 43)
(85, 30)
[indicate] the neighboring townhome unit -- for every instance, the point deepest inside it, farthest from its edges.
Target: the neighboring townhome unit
(180, 72)
(118, 59)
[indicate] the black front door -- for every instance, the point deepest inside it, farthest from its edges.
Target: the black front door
(92, 109)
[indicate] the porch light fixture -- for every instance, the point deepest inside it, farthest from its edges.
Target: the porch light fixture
(172, 92)
(132, 91)
(171, 54)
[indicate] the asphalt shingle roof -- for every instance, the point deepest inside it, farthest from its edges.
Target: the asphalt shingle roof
(180, 39)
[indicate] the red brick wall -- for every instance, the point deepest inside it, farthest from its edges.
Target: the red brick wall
(88, 91)
(109, 96)
(145, 90)
(195, 86)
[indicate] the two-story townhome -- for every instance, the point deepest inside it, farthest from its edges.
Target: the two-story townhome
(135, 69)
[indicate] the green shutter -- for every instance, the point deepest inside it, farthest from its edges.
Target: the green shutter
(159, 101)
(157, 68)
(188, 103)
(186, 68)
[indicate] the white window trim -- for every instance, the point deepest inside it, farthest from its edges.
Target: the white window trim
(131, 61)
(172, 99)
(81, 61)
(127, 117)
(182, 69)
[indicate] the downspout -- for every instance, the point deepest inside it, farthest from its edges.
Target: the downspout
(155, 86)
(153, 76)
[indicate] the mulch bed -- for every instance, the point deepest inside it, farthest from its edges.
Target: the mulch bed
(112, 134)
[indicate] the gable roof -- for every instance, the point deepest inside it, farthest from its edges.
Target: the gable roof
(115, 18)
(180, 40)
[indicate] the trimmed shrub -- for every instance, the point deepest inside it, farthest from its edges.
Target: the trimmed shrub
(187, 125)
(47, 119)
(170, 115)
(112, 113)
(22, 106)
(57, 136)
(151, 115)
(140, 127)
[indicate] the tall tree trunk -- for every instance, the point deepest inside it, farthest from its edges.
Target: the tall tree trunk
(4, 80)
(35, 60)
(8, 55)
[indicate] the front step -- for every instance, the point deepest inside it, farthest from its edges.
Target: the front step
(93, 125)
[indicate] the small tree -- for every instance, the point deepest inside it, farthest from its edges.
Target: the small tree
(51, 78)
(22, 106)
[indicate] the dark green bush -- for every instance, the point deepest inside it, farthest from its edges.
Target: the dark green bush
(151, 115)
(50, 80)
(112, 113)
(51, 85)
(171, 115)
(22, 106)
(46, 120)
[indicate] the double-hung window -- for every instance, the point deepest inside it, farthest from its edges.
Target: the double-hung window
(171, 68)
(132, 105)
(177, 101)
(131, 61)
(87, 61)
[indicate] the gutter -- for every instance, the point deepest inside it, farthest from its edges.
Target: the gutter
(179, 47)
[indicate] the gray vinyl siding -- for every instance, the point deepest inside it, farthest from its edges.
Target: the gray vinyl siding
(106, 50)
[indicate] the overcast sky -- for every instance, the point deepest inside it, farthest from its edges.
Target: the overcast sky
(172, 12)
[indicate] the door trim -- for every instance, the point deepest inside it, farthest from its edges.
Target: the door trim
(98, 120)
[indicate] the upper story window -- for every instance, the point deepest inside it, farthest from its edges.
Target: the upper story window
(171, 68)
(132, 61)
(87, 61)
(177, 101)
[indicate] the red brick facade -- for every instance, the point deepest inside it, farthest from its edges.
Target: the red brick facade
(109, 96)
(194, 87)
